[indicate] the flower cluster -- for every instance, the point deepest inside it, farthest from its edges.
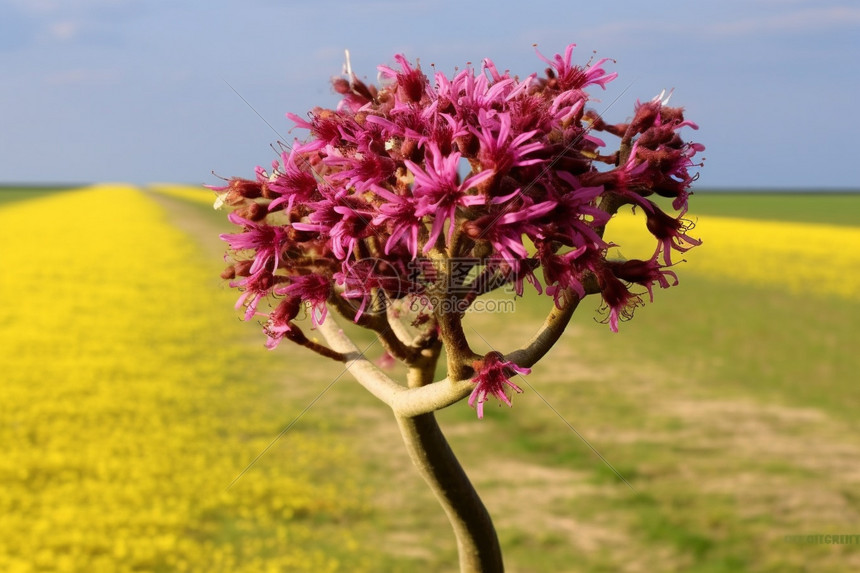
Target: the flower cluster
(483, 166)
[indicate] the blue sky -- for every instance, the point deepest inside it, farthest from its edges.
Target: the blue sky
(137, 90)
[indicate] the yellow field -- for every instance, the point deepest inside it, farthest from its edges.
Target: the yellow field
(185, 192)
(126, 413)
(130, 400)
(803, 258)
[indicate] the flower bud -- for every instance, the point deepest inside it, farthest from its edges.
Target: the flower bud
(253, 212)
(228, 273)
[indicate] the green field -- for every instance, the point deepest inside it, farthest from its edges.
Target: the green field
(10, 193)
(830, 208)
(730, 409)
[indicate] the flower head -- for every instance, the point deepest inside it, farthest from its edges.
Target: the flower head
(492, 378)
(646, 273)
(312, 289)
(439, 192)
(617, 298)
(280, 319)
(671, 233)
(411, 83)
(570, 76)
(265, 241)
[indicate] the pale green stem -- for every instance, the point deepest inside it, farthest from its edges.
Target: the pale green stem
(477, 543)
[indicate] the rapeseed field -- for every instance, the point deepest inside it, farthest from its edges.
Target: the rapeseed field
(185, 192)
(133, 396)
(804, 258)
(127, 407)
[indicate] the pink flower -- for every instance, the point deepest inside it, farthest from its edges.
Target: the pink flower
(398, 214)
(345, 220)
(492, 378)
(279, 321)
(560, 271)
(438, 191)
(573, 77)
(472, 93)
(295, 183)
(411, 83)
(254, 289)
(386, 361)
(576, 211)
(325, 126)
(266, 240)
(645, 273)
(501, 149)
(617, 298)
(362, 278)
(312, 289)
(670, 232)
(362, 170)
(516, 273)
(504, 227)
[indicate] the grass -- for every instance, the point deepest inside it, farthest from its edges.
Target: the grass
(724, 417)
(728, 406)
(11, 193)
(811, 207)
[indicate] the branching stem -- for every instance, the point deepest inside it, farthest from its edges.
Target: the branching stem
(477, 543)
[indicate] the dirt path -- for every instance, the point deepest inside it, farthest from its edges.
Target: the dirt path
(200, 226)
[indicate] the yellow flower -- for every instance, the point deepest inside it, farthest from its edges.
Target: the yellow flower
(800, 257)
(127, 410)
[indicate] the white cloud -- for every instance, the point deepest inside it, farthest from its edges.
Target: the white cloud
(815, 19)
(786, 2)
(63, 30)
(83, 76)
(54, 7)
(798, 21)
(68, 21)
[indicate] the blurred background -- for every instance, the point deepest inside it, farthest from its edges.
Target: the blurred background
(133, 90)
(133, 396)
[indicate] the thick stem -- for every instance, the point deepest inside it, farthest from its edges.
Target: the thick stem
(404, 401)
(477, 543)
(380, 324)
(460, 355)
(552, 329)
